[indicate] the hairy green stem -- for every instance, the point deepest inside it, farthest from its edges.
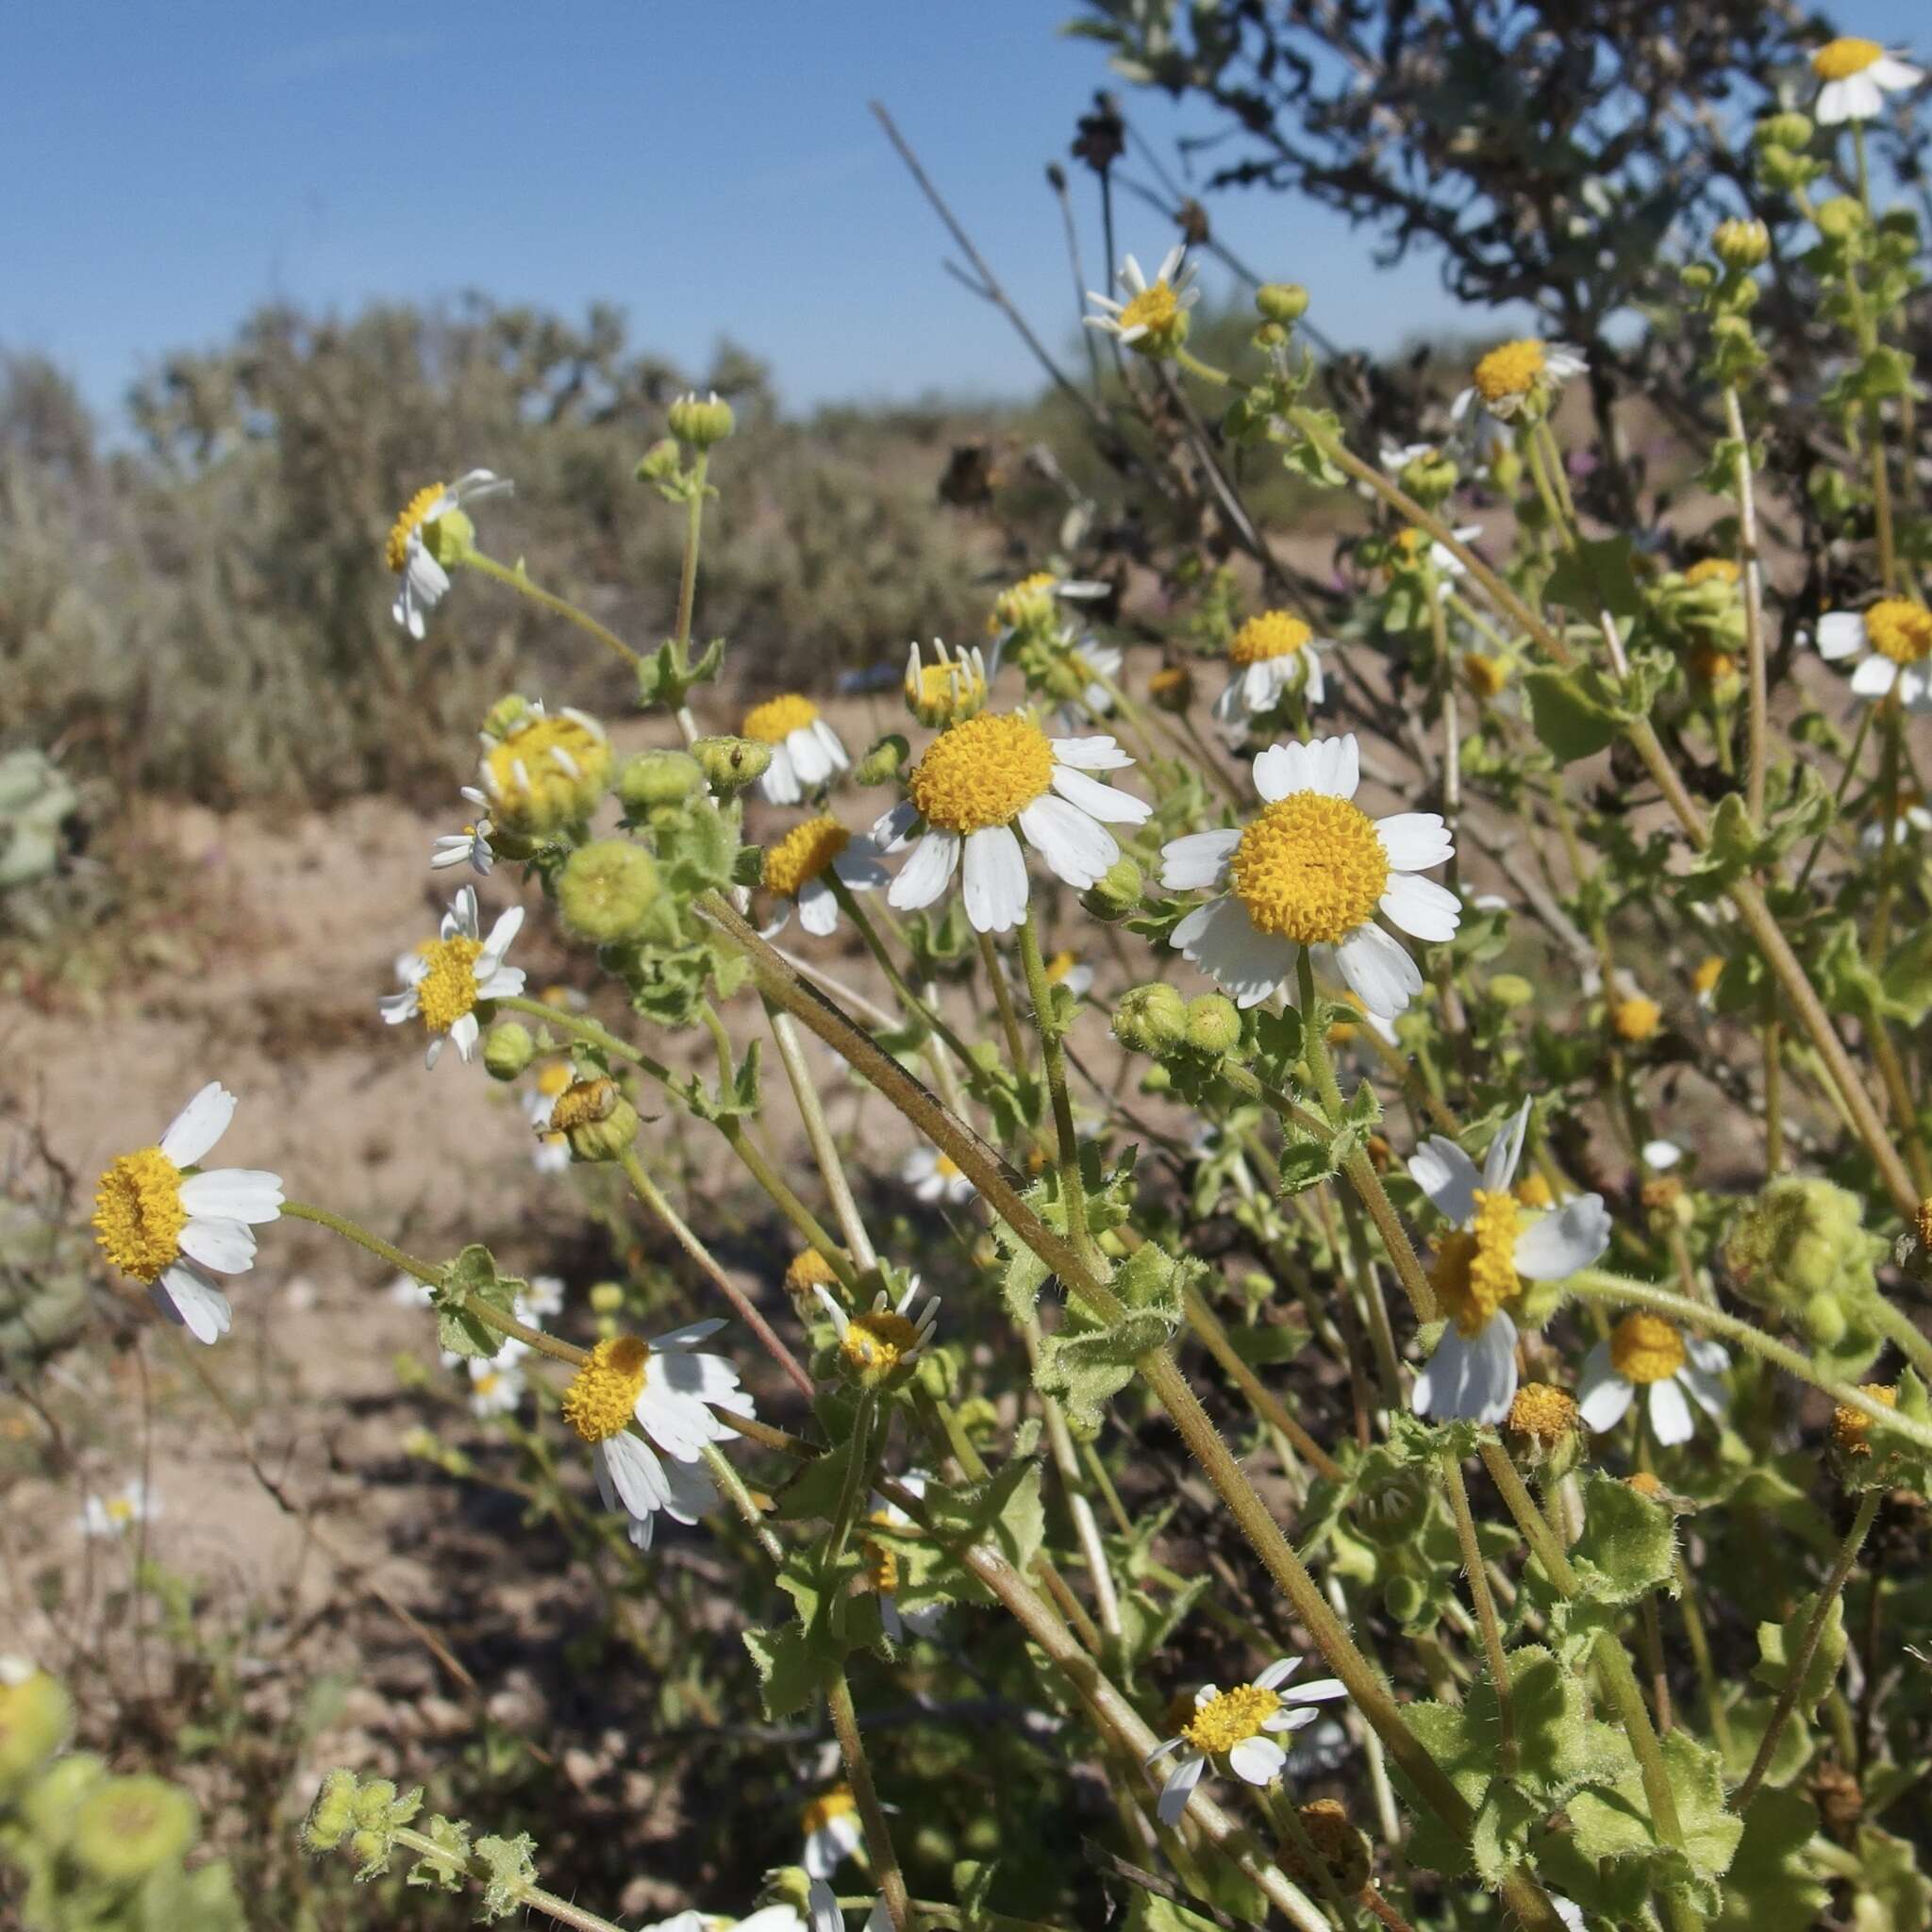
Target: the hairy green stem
(533, 1896)
(878, 1831)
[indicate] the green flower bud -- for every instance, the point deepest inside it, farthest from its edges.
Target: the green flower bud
(702, 422)
(1510, 990)
(731, 763)
(1214, 1024)
(1270, 335)
(1405, 1598)
(1824, 1320)
(607, 1297)
(1801, 1239)
(789, 1885)
(883, 762)
(332, 1816)
(605, 890)
(506, 715)
(1697, 277)
(658, 777)
(1431, 478)
(1741, 245)
(1791, 130)
(595, 1118)
(1841, 218)
(661, 463)
(52, 1801)
(372, 1803)
(34, 1716)
(1780, 169)
(507, 1049)
(1151, 1019)
(1117, 892)
(1283, 302)
(126, 1828)
(1393, 1511)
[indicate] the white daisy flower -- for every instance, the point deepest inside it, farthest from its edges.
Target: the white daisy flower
(1313, 869)
(879, 1341)
(979, 780)
(806, 751)
(470, 846)
(953, 686)
(935, 1176)
(795, 869)
(1093, 661)
(1495, 1245)
(645, 1409)
(542, 1299)
(1645, 1352)
(425, 582)
(1031, 605)
(882, 1567)
(1442, 561)
(119, 1511)
(496, 1382)
(1854, 77)
(832, 1832)
(1154, 317)
(453, 973)
(1907, 818)
(161, 1217)
(1238, 1727)
(1396, 457)
(1274, 655)
(1519, 375)
(1893, 641)
(551, 1153)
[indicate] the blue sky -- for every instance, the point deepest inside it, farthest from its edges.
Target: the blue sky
(708, 164)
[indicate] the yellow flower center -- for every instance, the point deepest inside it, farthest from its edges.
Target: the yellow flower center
(487, 1383)
(1487, 675)
(776, 719)
(120, 1508)
(395, 552)
(1645, 1485)
(1900, 631)
(554, 1078)
(1712, 570)
(1645, 1348)
(1059, 967)
(551, 768)
(808, 1269)
(1231, 1718)
(1636, 1018)
(1511, 370)
(1153, 309)
(1274, 634)
(1533, 1190)
(138, 1213)
(448, 990)
(1310, 868)
(603, 1394)
(1546, 1415)
(1711, 969)
(1840, 59)
(1474, 1272)
(983, 772)
(803, 853)
(881, 1566)
(1712, 666)
(823, 1810)
(877, 1342)
(1850, 1428)
(1026, 603)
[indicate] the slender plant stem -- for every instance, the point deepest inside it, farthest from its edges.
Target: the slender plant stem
(425, 1272)
(660, 1210)
(818, 1132)
(1002, 999)
(1799, 1665)
(1753, 575)
(1052, 1055)
(878, 1831)
(534, 1896)
(1485, 1607)
(547, 600)
(741, 1499)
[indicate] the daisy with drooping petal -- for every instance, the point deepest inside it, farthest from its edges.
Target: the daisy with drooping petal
(1854, 77)
(1154, 317)
(161, 1217)
(882, 1566)
(831, 1830)
(1645, 1352)
(409, 549)
(470, 846)
(1520, 379)
(1313, 869)
(119, 1511)
(1495, 1246)
(976, 783)
(645, 1409)
(496, 1382)
(453, 974)
(1893, 641)
(1238, 1728)
(953, 686)
(806, 751)
(935, 1176)
(795, 869)
(1096, 669)
(880, 1340)
(1274, 655)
